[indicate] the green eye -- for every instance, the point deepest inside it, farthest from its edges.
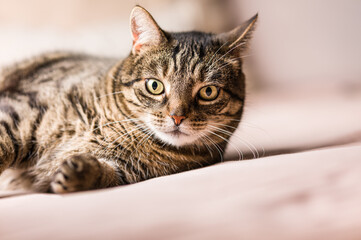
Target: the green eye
(154, 86)
(209, 93)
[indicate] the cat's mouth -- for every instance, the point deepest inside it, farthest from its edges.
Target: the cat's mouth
(177, 133)
(175, 136)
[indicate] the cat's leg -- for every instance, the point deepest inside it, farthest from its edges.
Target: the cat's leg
(27, 179)
(23, 180)
(85, 172)
(9, 140)
(78, 172)
(17, 120)
(62, 171)
(8, 145)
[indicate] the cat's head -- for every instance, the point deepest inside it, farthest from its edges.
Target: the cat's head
(183, 87)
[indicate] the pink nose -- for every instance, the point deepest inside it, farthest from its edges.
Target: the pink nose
(177, 119)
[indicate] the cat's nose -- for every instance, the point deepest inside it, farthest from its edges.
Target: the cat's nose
(177, 119)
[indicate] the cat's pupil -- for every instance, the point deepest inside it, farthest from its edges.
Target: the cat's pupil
(154, 85)
(209, 91)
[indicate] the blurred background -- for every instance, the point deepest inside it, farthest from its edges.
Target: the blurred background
(297, 43)
(306, 53)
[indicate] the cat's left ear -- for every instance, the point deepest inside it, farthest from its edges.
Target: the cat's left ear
(238, 38)
(145, 31)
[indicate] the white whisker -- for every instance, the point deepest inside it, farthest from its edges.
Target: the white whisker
(216, 52)
(109, 94)
(221, 57)
(240, 154)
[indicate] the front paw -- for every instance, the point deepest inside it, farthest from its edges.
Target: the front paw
(77, 173)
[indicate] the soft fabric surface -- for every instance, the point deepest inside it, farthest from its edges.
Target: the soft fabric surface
(313, 195)
(288, 121)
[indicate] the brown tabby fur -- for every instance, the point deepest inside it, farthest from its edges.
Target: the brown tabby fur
(72, 122)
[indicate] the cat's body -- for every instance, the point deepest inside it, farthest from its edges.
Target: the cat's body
(71, 122)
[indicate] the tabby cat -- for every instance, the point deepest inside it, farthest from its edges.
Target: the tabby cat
(71, 122)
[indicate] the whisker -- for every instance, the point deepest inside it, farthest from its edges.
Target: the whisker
(138, 127)
(200, 135)
(252, 148)
(217, 52)
(226, 54)
(219, 149)
(127, 133)
(109, 94)
(240, 154)
(244, 140)
(244, 123)
(227, 133)
(111, 123)
(143, 133)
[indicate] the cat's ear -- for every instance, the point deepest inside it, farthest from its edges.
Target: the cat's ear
(238, 38)
(145, 31)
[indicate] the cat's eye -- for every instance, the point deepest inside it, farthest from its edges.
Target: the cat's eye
(154, 86)
(209, 93)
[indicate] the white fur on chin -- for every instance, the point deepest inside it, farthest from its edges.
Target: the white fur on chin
(177, 140)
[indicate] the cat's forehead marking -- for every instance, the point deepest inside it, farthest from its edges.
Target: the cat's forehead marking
(186, 61)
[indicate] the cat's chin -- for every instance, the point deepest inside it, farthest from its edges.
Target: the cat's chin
(176, 138)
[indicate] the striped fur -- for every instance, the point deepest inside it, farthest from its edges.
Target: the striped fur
(72, 122)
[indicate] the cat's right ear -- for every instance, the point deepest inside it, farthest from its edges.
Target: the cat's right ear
(238, 39)
(145, 31)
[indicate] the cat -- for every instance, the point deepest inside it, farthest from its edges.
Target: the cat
(73, 122)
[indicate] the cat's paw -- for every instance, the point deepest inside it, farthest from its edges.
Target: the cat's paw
(77, 173)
